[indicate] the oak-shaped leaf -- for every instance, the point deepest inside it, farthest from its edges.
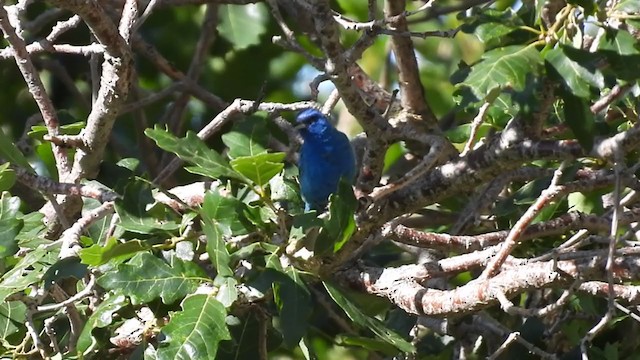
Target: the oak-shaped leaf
(259, 168)
(503, 67)
(146, 277)
(196, 331)
(102, 316)
(193, 150)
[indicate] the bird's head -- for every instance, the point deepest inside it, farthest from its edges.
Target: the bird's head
(312, 121)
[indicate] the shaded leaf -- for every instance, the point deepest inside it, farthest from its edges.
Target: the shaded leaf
(367, 343)
(589, 6)
(373, 324)
(10, 152)
(101, 317)
(132, 210)
(492, 25)
(65, 268)
(195, 332)
(460, 134)
(340, 225)
(145, 278)
(576, 77)
(294, 304)
(579, 119)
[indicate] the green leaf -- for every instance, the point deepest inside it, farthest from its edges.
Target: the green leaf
(217, 213)
(12, 317)
(576, 77)
(243, 25)
(366, 343)
(225, 209)
(133, 213)
(102, 316)
(294, 304)
(341, 224)
(130, 164)
(97, 255)
(216, 247)
(27, 271)
(196, 331)
(65, 268)
(502, 67)
(10, 224)
(373, 324)
(101, 228)
(394, 153)
(589, 6)
(191, 149)
(353, 9)
(491, 25)
(619, 48)
(460, 134)
(7, 177)
(10, 152)
(284, 188)
(259, 168)
(619, 41)
(38, 131)
(586, 203)
(629, 6)
(227, 292)
(579, 119)
(145, 278)
(29, 235)
(247, 138)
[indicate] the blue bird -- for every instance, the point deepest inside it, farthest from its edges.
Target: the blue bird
(326, 157)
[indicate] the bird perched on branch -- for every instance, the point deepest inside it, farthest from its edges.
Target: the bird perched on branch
(326, 157)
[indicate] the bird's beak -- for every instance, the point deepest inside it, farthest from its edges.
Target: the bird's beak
(300, 126)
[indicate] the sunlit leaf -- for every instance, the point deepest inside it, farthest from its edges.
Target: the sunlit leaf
(12, 318)
(145, 278)
(247, 138)
(192, 149)
(196, 331)
(243, 25)
(259, 168)
(502, 67)
(576, 76)
(97, 255)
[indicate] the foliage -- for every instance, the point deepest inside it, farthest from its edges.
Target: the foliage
(493, 187)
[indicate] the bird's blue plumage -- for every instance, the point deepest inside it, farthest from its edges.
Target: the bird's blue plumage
(326, 157)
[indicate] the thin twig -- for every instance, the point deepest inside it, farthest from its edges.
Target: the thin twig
(510, 242)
